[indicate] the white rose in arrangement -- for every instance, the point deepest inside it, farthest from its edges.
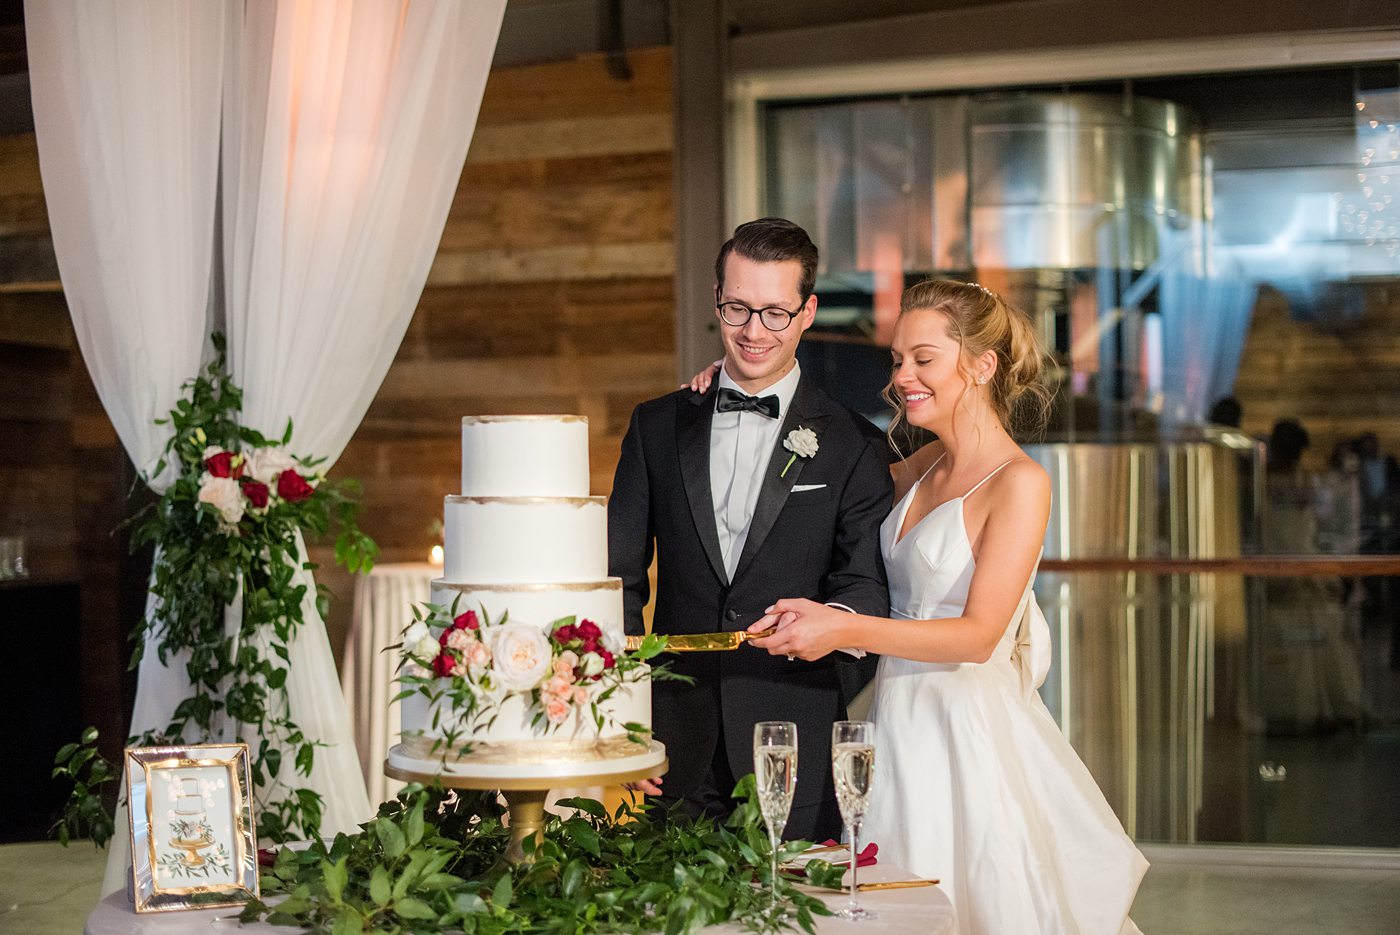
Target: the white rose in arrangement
(267, 464)
(520, 656)
(613, 641)
(426, 648)
(224, 495)
(591, 664)
(417, 631)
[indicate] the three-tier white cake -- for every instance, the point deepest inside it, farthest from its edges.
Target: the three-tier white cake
(525, 542)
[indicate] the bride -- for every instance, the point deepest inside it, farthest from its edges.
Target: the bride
(975, 783)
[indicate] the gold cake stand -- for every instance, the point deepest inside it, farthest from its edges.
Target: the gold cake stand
(525, 794)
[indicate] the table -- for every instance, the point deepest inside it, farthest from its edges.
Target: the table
(922, 911)
(383, 606)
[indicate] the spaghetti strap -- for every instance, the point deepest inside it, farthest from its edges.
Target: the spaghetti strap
(929, 469)
(987, 478)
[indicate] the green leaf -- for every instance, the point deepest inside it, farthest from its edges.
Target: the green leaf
(391, 838)
(825, 874)
(347, 922)
(411, 908)
(413, 825)
(501, 892)
(335, 877)
(379, 885)
(584, 835)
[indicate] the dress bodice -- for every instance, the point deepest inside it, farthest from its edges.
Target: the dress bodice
(930, 570)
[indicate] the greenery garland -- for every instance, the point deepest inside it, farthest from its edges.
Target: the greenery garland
(430, 862)
(227, 528)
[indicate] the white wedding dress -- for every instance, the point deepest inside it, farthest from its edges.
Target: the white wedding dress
(974, 783)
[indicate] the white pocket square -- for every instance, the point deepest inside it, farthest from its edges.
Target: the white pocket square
(798, 488)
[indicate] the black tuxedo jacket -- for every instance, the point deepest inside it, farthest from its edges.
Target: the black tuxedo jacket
(820, 543)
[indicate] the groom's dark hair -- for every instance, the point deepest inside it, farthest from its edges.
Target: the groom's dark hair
(772, 240)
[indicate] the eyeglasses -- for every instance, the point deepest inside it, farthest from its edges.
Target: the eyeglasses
(774, 318)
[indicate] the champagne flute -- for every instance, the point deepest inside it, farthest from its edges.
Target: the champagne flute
(775, 768)
(853, 767)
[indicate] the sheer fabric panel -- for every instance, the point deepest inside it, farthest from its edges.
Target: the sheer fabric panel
(126, 114)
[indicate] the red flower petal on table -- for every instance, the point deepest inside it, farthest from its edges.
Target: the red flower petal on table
(292, 487)
(465, 621)
(256, 492)
(220, 465)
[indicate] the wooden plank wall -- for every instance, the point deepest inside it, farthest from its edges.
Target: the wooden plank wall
(63, 475)
(551, 290)
(1338, 380)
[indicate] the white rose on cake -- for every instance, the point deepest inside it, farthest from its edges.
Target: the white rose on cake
(224, 495)
(417, 631)
(418, 641)
(520, 656)
(614, 642)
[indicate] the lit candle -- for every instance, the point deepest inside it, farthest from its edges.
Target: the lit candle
(435, 556)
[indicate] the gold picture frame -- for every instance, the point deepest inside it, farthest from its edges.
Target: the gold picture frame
(193, 841)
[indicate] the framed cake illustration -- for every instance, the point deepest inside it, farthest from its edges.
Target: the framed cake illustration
(192, 829)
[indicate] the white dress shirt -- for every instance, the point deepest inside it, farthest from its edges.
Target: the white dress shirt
(741, 445)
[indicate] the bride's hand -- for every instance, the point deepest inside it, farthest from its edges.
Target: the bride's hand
(804, 629)
(700, 383)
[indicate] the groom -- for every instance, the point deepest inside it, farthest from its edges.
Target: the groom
(738, 519)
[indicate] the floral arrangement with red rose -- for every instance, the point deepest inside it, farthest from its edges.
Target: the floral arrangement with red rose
(238, 485)
(228, 534)
(567, 669)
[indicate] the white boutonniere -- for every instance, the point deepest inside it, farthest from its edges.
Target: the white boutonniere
(802, 443)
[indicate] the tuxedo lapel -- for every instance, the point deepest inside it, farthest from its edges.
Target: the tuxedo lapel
(693, 416)
(806, 411)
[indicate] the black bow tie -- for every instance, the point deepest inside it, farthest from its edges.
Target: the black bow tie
(731, 400)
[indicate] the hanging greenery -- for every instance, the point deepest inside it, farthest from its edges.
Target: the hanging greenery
(430, 862)
(226, 535)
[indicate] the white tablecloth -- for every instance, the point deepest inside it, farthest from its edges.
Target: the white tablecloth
(922, 911)
(383, 606)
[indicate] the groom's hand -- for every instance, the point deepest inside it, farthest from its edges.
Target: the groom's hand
(650, 786)
(802, 629)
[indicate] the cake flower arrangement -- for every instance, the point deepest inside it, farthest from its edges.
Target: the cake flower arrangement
(469, 664)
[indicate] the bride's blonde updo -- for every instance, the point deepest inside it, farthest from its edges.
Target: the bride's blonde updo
(980, 321)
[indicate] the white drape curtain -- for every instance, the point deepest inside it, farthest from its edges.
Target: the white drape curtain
(126, 111)
(345, 124)
(1204, 325)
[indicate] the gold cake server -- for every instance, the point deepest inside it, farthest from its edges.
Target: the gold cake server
(701, 642)
(894, 885)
